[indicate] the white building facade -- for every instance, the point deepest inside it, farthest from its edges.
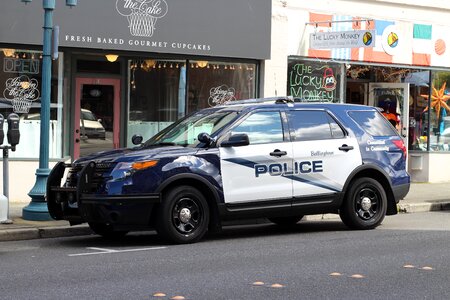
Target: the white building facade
(407, 63)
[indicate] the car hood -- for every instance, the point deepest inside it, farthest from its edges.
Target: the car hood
(136, 154)
(91, 124)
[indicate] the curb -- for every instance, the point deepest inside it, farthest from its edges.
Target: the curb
(423, 207)
(29, 233)
(20, 234)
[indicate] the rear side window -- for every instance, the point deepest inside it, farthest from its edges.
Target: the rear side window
(313, 125)
(373, 123)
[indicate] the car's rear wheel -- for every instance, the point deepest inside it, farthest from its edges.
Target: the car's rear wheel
(365, 204)
(183, 215)
(106, 230)
(286, 221)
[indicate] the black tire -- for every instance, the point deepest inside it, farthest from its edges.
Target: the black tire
(286, 221)
(364, 205)
(183, 215)
(106, 231)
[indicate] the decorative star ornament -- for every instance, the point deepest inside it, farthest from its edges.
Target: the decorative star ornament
(438, 100)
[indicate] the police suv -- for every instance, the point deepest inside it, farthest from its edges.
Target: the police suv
(271, 158)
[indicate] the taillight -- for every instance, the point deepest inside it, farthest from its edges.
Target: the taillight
(400, 145)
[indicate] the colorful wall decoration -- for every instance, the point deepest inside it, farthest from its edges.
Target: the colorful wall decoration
(396, 42)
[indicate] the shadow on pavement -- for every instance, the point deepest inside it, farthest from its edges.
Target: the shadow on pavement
(232, 232)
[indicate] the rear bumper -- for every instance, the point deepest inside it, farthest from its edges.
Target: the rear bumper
(400, 191)
(80, 204)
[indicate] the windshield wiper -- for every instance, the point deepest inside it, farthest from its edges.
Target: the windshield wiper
(166, 144)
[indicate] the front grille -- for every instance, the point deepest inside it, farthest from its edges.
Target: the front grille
(72, 177)
(101, 173)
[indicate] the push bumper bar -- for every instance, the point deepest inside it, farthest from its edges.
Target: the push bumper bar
(93, 207)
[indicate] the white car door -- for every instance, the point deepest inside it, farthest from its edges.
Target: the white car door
(324, 155)
(257, 171)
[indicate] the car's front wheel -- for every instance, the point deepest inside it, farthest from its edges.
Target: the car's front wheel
(183, 215)
(365, 204)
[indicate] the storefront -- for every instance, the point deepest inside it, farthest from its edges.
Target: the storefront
(125, 67)
(403, 67)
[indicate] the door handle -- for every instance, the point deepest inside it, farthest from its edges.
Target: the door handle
(278, 153)
(346, 148)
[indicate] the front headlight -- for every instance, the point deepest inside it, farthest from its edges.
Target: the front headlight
(126, 169)
(140, 165)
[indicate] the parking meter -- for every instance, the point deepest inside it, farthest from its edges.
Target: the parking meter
(13, 130)
(2, 133)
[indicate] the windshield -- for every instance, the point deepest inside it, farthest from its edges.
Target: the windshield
(185, 132)
(88, 115)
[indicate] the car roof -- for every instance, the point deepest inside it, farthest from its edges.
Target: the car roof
(251, 104)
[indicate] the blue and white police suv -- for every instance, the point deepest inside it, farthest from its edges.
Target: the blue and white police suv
(271, 158)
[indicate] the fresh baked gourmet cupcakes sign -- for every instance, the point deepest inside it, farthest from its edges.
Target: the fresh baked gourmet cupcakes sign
(157, 26)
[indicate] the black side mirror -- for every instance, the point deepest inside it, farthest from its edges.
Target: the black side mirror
(205, 138)
(136, 139)
(236, 140)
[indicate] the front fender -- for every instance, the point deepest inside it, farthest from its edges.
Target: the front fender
(204, 169)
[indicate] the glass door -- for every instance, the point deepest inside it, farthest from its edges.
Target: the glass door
(393, 98)
(96, 117)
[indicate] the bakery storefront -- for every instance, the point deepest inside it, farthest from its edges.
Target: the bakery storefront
(401, 67)
(125, 67)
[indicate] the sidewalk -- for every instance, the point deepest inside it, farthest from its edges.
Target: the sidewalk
(422, 197)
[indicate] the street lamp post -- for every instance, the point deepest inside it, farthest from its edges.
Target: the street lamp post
(37, 209)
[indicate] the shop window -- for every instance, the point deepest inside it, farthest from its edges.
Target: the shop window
(418, 111)
(162, 91)
(212, 83)
(156, 95)
(21, 83)
(314, 81)
(439, 114)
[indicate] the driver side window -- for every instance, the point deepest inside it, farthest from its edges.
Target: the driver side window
(262, 127)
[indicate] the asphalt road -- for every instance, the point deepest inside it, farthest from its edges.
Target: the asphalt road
(408, 257)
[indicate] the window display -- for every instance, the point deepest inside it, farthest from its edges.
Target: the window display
(438, 109)
(313, 81)
(162, 91)
(156, 95)
(20, 84)
(212, 83)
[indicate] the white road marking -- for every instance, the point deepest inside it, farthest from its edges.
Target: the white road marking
(109, 251)
(102, 249)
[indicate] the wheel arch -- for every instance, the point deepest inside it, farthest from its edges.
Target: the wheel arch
(203, 186)
(378, 174)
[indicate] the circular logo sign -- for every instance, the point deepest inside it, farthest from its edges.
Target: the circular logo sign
(367, 38)
(439, 47)
(391, 40)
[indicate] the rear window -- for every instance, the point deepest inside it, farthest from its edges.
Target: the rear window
(373, 123)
